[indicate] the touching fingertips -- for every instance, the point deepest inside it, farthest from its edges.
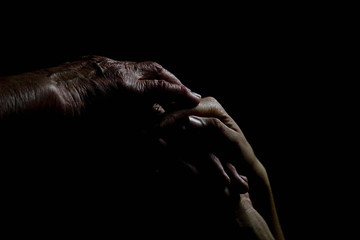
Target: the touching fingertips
(196, 95)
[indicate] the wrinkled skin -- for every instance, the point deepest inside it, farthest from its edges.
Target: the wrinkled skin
(93, 82)
(76, 81)
(124, 98)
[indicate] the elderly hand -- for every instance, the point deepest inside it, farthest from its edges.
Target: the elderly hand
(74, 87)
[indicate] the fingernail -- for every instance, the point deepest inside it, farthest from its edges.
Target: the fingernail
(196, 94)
(195, 121)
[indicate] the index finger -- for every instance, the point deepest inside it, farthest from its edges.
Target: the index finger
(162, 91)
(153, 70)
(166, 75)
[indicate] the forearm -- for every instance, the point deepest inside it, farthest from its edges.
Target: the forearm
(62, 89)
(251, 223)
(26, 92)
(263, 199)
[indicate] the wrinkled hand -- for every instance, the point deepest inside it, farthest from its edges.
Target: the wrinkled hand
(78, 84)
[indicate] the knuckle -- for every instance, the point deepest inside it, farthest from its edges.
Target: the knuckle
(153, 66)
(216, 123)
(161, 84)
(149, 69)
(157, 86)
(211, 100)
(156, 65)
(217, 126)
(181, 89)
(213, 106)
(96, 58)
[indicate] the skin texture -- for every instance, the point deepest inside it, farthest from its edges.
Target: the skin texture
(127, 99)
(69, 88)
(216, 136)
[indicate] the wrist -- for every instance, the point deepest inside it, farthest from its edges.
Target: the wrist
(27, 92)
(260, 174)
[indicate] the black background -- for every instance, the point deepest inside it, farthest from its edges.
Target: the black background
(274, 68)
